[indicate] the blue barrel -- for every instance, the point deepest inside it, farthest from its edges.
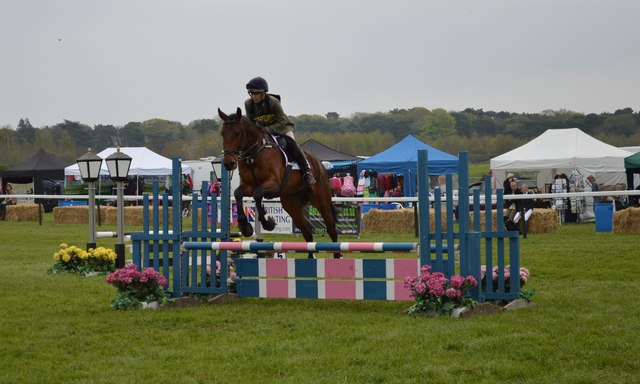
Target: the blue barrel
(604, 217)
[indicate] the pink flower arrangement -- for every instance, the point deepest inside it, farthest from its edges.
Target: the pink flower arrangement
(436, 294)
(232, 274)
(524, 276)
(136, 286)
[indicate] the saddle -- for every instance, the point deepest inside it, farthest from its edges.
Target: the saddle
(277, 139)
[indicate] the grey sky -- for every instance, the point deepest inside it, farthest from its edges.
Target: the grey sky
(132, 60)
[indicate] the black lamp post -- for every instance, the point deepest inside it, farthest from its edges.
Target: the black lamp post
(118, 164)
(89, 165)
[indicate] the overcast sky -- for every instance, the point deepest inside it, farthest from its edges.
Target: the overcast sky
(116, 61)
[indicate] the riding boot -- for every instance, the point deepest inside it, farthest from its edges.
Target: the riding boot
(306, 169)
(302, 161)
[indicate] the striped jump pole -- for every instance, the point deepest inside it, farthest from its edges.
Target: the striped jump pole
(298, 246)
(103, 234)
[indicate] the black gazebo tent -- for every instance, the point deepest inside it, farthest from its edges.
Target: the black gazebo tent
(43, 170)
(340, 161)
(632, 166)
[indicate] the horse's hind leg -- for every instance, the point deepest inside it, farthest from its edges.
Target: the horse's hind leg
(243, 223)
(329, 215)
(295, 208)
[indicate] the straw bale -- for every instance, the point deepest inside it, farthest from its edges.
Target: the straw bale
(542, 221)
(76, 214)
(23, 212)
(483, 222)
(627, 221)
(396, 221)
(132, 215)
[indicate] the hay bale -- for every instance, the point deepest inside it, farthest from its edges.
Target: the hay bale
(542, 221)
(627, 221)
(396, 221)
(71, 215)
(23, 212)
(132, 215)
(76, 214)
(483, 221)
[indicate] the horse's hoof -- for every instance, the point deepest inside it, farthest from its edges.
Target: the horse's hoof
(269, 225)
(337, 255)
(246, 230)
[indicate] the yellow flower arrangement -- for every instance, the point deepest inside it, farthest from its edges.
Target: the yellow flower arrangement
(70, 258)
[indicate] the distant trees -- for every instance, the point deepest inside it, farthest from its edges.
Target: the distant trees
(439, 123)
(26, 132)
(483, 134)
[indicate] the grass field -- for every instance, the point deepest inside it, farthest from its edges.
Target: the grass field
(583, 329)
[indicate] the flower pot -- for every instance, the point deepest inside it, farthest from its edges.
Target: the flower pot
(150, 305)
(93, 273)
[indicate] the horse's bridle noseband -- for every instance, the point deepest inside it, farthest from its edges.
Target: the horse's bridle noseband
(250, 153)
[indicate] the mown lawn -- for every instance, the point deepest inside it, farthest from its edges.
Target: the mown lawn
(583, 329)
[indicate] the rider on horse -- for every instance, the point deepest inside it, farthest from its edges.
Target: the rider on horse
(265, 110)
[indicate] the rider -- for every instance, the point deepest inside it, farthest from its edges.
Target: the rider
(265, 110)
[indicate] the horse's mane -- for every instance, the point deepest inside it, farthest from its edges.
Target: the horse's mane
(247, 122)
(239, 118)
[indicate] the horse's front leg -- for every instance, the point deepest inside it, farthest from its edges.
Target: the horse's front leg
(243, 223)
(267, 221)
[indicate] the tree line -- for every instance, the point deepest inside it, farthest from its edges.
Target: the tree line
(483, 134)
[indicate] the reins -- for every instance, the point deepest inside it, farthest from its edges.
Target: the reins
(248, 155)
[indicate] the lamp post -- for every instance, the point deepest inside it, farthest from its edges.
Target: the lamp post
(118, 164)
(89, 165)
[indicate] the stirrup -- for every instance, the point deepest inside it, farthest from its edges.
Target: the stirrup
(308, 178)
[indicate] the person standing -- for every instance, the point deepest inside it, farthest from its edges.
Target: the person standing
(595, 187)
(265, 109)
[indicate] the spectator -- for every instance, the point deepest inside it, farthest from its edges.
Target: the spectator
(185, 190)
(525, 206)
(595, 187)
(7, 201)
(507, 184)
(510, 212)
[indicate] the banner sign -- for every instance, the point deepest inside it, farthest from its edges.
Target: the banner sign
(348, 222)
(284, 224)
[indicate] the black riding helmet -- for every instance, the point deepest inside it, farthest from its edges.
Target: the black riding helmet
(257, 84)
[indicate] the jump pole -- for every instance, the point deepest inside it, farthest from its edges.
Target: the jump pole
(297, 246)
(294, 246)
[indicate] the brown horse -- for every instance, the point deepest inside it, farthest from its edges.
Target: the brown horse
(264, 175)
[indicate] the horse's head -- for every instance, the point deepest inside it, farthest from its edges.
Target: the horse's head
(233, 138)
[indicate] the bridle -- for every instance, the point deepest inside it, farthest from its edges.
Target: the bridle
(251, 152)
(242, 135)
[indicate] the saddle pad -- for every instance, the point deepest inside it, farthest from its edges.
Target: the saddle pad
(294, 165)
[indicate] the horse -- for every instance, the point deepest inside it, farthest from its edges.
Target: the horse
(264, 174)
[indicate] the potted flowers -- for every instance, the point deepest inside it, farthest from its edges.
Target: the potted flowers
(70, 258)
(135, 288)
(523, 272)
(232, 277)
(437, 295)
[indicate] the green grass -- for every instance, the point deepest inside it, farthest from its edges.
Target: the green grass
(583, 329)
